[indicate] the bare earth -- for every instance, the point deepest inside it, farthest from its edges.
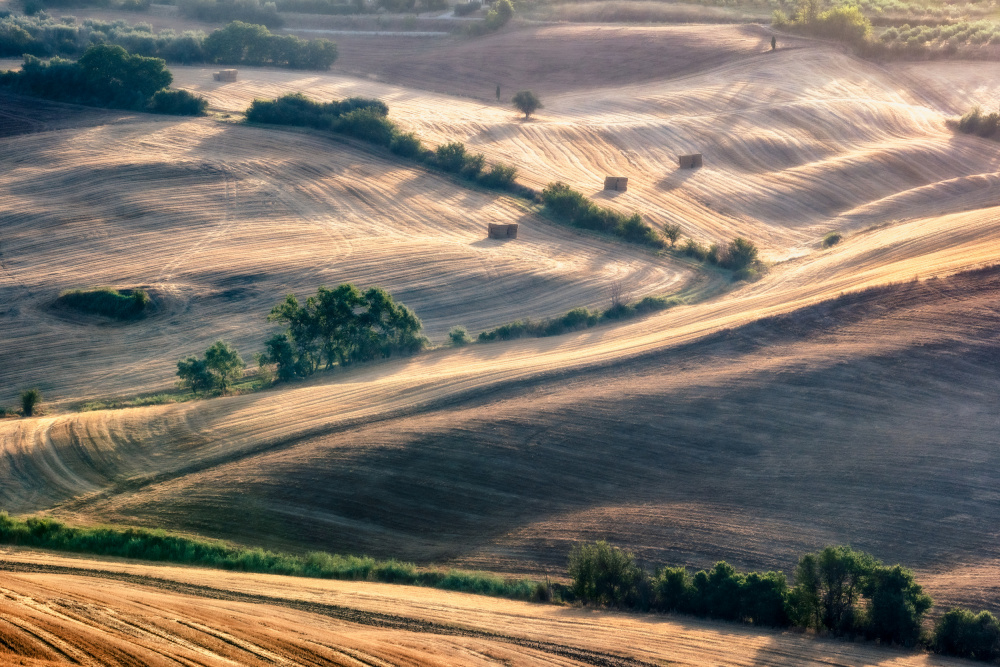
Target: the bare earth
(761, 421)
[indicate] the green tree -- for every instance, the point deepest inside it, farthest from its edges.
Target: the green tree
(459, 337)
(224, 364)
(774, 42)
(672, 233)
(604, 574)
(526, 101)
(501, 13)
(193, 373)
(115, 77)
(965, 634)
(833, 581)
(30, 400)
(896, 605)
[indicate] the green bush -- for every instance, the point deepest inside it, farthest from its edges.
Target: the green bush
(178, 103)
(965, 634)
(242, 43)
(451, 157)
(367, 125)
(120, 305)
(459, 337)
(983, 125)
(499, 176)
(407, 145)
(30, 400)
(501, 13)
(832, 239)
(604, 574)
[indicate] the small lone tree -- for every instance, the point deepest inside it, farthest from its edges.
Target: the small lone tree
(459, 337)
(774, 43)
(672, 233)
(498, 92)
(526, 102)
(30, 400)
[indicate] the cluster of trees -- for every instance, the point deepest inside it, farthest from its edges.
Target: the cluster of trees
(836, 590)
(218, 370)
(237, 44)
(367, 119)
(338, 326)
(739, 256)
(105, 76)
(979, 123)
(572, 207)
(845, 23)
(948, 38)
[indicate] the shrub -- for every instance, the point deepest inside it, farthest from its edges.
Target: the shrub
(120, 305)
(831, 239)
(251, 44)
(459, 337)
(30, 400)
(451, 156)
(672, 233)
(501, 13)
(368, 125)
(178, 103)
(965, 634)
(738, 255)
(473, 165)
(406, 145)
(604, 574)
(499, 176)
(525, 101)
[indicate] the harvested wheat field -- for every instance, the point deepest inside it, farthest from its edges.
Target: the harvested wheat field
(57, 610)
(847, 396)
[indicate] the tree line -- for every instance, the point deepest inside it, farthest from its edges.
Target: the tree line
(238, 43)
(337, 326)
(105, 76)
(367, 119)
(838, 590)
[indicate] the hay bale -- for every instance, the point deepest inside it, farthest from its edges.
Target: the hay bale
(225, 75)
(502, 231)
(619, 183)
(692, 161)
(216, 76)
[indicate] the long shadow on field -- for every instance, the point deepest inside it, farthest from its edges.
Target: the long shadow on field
(755, 446)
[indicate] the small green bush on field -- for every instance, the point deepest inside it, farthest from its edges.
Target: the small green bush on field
(178, 103)
(218, 370)
(832, 239)
(459, 337)
(157, 545)
(978, 123)
(120, 305)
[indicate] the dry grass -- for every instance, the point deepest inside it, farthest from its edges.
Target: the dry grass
(105, 611)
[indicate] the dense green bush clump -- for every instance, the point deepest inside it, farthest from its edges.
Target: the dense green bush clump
(236, 44)
(739, 256)
(366, 119)
(978, 123)
(157, 545)
(178, 103)
(845, 23)
(832, 239)
(966, 634)
(218, 370)
(340, 326)
(572, 207)
(118, 304)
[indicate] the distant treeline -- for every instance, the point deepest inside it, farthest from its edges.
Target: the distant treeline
(237, 44)
(837, 590)
(367, 119)
(105, 76)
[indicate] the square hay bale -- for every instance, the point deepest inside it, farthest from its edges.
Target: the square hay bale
(225, 75)
(692, 161)
(502, 231)
(619, 183)
(216, 76)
